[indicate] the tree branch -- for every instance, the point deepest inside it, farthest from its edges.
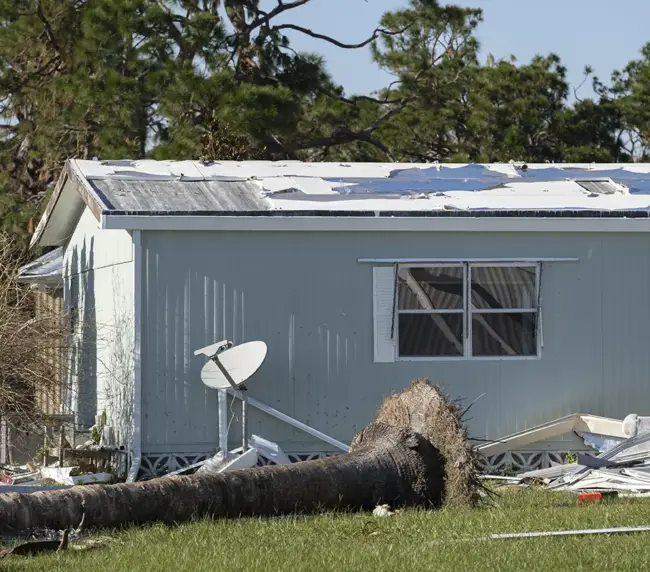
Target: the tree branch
(48, 28)
(329, 39)
(357, 98)
(345, 135)
(185, 53)
(265, 17)
(378, 32)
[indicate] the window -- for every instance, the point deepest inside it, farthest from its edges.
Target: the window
(467, 310)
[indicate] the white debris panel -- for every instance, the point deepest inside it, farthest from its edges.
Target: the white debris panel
(621, 465)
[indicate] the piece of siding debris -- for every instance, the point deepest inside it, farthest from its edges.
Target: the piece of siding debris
(527, 535)
(619, 530)
(598, 463)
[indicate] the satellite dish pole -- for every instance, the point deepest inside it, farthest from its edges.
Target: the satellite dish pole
(244, 399)
(231, 367)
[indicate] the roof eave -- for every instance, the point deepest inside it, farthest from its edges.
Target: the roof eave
(377, 222)
(53, 282)
(70, 173)
(49, 209)
(90, 198)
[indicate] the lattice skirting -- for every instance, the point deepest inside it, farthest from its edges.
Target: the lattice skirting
(156, 465)
(521, 461)
(159, 464)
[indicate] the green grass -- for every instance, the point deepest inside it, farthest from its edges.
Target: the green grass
(412, 540)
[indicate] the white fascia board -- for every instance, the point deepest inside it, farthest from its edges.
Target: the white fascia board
(373, 224)
(49, 209)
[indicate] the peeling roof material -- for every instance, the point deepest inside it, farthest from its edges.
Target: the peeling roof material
(293, 186)
(132, 195)
(45, 271)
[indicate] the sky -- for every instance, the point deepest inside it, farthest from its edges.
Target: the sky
(601, 33)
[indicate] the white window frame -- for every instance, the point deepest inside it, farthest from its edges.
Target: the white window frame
(468, 311)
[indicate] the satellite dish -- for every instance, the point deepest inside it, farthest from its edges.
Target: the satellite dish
(239, 363)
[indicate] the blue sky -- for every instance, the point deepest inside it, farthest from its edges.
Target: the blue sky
(601, 33)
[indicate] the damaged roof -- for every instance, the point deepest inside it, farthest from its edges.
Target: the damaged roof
(46, 271)
(229, 186)
(146, 196)
(293, 188)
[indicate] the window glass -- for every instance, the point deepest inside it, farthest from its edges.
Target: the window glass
(504, 334)
(431, 335)
(501, 311)
(503, 287)
(436, 288)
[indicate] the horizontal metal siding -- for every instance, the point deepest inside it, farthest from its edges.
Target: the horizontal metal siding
(310, 300)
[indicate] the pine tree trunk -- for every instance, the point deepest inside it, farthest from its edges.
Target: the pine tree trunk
(388, 464)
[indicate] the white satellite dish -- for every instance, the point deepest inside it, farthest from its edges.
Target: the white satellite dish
(231, 368)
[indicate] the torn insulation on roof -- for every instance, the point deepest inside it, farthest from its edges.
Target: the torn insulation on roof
(141, 187)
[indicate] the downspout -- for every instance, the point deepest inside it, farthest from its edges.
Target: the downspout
(136, 393)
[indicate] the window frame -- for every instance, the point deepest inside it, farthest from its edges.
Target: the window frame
(468, 311)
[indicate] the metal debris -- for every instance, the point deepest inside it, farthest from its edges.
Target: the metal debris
(622, 466)
(618, 530)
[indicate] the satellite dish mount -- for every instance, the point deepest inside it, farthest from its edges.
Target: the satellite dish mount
(230, 367)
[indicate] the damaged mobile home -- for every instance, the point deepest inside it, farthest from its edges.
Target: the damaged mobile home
(525, 284)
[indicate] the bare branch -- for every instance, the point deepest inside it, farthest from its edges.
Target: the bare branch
(329, 39)
(357, 98)
(265, 17)
(378, 32)
(30, 343)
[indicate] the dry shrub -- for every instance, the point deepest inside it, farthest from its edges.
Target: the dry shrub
(426, 409)
(30, 343)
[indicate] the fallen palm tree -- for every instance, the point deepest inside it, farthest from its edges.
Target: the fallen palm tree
(414, 453)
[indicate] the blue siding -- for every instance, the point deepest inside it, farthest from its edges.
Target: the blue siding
(309, 299)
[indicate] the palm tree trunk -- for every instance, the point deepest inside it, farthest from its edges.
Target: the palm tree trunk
(388, 464)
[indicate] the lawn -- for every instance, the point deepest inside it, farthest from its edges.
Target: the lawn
(411, 540)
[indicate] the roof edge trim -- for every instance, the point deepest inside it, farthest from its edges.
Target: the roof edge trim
(90, 198)
(70, 172)
(355, 223)
(49, 209)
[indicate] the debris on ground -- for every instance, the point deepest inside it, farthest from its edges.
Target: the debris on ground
(23, 480)
(16, 475)
(617, 464)
(34, 547)
(382, 510)
(585, 532)
(75, 476)
(59, 464)
(579, 423)
(49, 540)
(235, 459)
(597, 497)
